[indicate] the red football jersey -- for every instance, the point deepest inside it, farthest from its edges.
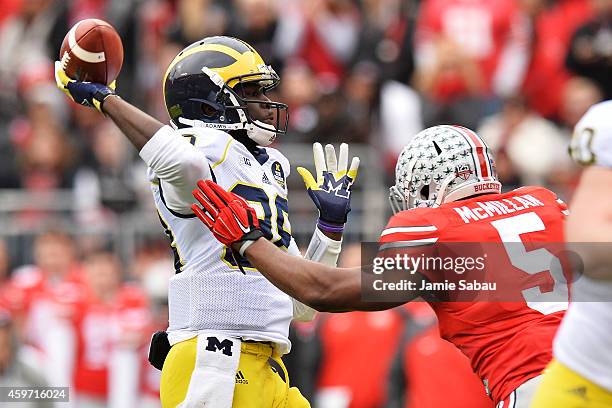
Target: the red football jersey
(348, 337)
(101, 327)
(432, 364)
(507, 342)
(481, 28)
(30, 284)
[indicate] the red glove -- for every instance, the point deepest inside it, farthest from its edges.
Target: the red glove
(227, 215)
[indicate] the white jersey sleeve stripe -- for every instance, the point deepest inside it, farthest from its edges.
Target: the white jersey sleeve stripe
(222, 159)
(396, 230)
(408, 244)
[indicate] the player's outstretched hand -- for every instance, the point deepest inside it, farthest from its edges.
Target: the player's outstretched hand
(331, 191)
(227, 215)
(84, 93)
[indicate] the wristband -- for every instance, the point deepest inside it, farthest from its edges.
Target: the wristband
(101, 95)
(244, 247)
(331, 228)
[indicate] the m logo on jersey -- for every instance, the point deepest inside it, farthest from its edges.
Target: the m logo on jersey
(225, 346)
(246, 161)
(278, 174)
(463, 171)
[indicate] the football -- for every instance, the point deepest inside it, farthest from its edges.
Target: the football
(92, 51)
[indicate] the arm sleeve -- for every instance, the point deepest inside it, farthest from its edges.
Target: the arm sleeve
(178, 164)
(323, 250)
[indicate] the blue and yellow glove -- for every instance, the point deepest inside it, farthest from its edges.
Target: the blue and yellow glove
(84, 93)
(331, 191)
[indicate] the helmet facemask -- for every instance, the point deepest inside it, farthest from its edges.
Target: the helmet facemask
(235, 108)
(263, 119)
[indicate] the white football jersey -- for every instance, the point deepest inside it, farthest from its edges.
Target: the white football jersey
(583, 342)
(208, 290)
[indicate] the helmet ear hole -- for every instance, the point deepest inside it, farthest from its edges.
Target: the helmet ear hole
(208, 110)
(438, 149)
(424, 193)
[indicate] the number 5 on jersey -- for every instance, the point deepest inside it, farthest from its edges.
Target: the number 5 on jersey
(533, 262)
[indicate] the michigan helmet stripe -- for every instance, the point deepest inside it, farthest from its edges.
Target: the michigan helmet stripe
(248, 62)
(216, 59)
(203, 47)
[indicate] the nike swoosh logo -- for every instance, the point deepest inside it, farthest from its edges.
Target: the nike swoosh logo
(245, 230)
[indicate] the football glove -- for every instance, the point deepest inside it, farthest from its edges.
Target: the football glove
(228, 216)
(84, 93)
(331, 191)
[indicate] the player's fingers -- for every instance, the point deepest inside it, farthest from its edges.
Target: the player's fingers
(330, 159)
(206, 187)
(202, 215)
(208, 206)
(354, 169)
(223, 194)
(309, 180)
(343, 160)
(61, 79)
(97, 105)
(319, 161)
(206, 195)
(59, 75)
(244, 203)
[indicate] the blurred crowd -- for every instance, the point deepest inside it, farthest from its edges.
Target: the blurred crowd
(74, 321)
(373, 72)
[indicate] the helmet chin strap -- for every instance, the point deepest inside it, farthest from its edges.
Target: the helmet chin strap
(201, 123)
(261, 137)
(397, 200)
(440, 194)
